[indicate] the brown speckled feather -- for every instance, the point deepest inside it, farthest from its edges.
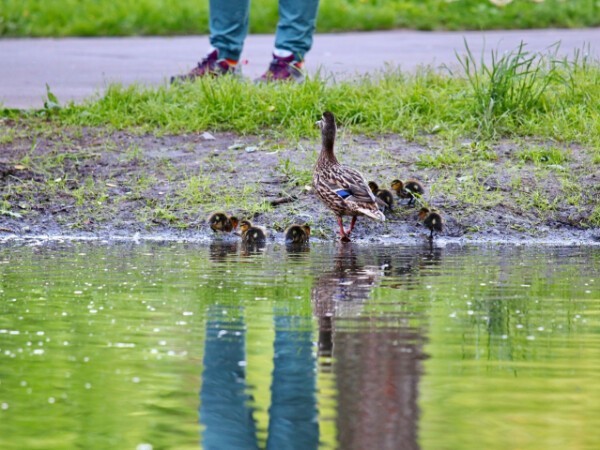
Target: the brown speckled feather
(343, 189)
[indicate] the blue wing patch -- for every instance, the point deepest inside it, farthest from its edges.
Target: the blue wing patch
(343, 193)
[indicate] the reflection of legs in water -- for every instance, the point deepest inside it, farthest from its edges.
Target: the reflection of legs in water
(224, 410)
(325, 342)
(293, 413)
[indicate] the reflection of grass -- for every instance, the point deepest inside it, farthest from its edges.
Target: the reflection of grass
(127, 17)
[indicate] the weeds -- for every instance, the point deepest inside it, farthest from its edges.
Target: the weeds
(594, 218)
(517, 94)
(511, 85)
(295, 175)
(463, 156)
(543, 155)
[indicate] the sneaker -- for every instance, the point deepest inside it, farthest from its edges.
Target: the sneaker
(210, 65)
(283, 68)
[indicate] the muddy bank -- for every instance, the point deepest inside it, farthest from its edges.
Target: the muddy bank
(93, 183)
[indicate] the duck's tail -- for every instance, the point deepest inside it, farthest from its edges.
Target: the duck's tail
(377, 215)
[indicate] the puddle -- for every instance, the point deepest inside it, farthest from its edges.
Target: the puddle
(187, 345)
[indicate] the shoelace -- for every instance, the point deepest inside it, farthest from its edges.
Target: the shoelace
(208, 61)
(278, 65)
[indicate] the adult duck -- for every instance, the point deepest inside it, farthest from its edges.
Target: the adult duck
(342, 189)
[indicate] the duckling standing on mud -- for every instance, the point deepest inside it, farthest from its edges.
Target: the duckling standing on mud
(222, 222)
(432, 219)
(252, 234)
(411, 189)
(382, 194)
(297, 234)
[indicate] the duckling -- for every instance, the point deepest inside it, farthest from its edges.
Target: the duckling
(432, 219)
(382, 194)
(341, 188)
(297, 234)
(410, 189)
(221, 222)
(252, 234)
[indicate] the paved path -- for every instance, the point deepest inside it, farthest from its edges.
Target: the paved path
(78, 68)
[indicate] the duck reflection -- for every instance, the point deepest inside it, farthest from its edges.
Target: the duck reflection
(252, 248)
(219, 251)
(225, 409)
(407, 270)
(297, 251)
(376, 361)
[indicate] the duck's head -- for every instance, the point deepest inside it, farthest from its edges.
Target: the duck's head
(234, 222)
(374, 187)
(423, 212)
(245, 225)
(397, 185)
(327, 124)
(306, 229)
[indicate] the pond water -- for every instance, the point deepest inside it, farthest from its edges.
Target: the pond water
(161, 346)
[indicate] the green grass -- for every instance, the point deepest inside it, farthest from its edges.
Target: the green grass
(457, 156)
(543, 155)
(535, 95)
(178, 17)
(545, 117)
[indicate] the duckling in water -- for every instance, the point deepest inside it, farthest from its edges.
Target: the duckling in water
(432, 219)
(382, 194)
(411, 189)
(297, 234)
(222, 222)
(251, 234)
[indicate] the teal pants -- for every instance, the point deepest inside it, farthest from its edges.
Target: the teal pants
(229, 26)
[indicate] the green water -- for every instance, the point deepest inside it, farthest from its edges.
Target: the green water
(187, 346)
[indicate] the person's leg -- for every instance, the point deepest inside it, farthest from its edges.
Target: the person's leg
(229, 27)
(293, 40)
(228, 24)
(297, 19)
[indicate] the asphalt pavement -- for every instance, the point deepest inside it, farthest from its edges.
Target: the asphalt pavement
(79, 68)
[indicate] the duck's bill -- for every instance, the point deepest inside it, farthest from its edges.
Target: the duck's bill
(319, 123)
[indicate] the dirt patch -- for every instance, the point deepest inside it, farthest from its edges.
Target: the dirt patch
(96, 182)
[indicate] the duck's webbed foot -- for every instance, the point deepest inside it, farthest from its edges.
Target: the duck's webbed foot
(343, 235)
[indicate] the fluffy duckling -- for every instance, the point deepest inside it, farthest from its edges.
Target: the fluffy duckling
(432, 219)
(297, 234)
(341, 188)
(222, 222)
(382, 194)
(252, 234)
(410, 189)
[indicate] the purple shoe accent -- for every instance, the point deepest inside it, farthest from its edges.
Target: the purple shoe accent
(283, 69)
(210, 65)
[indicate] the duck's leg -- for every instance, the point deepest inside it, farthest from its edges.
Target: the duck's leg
(352, 223)
(343, 236)
(431, 234)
